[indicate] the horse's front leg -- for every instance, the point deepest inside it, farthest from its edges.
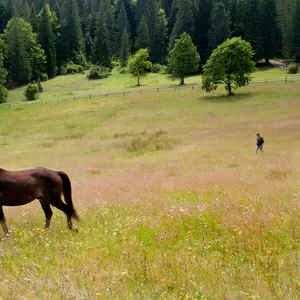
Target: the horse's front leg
(3, 222)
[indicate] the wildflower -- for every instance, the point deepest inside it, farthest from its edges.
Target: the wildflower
(50, 286)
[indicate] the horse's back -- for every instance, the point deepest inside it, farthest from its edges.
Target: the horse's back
(23, 186)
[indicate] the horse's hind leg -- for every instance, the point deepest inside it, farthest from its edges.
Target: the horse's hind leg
(48, 212)
(3, 221)
(66, 209)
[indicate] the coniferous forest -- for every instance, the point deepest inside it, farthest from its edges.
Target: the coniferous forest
(39, 37)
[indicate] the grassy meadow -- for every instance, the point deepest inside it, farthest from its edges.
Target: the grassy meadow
(79, 86)
(174, 201)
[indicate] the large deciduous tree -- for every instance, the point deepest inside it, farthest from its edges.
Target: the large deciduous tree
(230, 64)
(183, 58)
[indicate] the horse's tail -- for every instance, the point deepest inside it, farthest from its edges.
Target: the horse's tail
(67, 190)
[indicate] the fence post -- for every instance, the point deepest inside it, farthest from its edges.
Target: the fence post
(285, 79)
(266, 80)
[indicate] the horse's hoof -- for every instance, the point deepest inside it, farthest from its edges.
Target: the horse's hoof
(9, 232)
(74, 228)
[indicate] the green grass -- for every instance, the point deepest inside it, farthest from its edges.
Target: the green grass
(79, 86)
(174, 202)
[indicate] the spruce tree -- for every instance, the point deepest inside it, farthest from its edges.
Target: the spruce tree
(3, 16)
(101, 46)
(71, 38)
(296, 33)
(220, 26)
(47, 27)
(286, 24)
(24, 11)
(121, 23)
(125, 48)
(159, 48)
(25, 58)
(252, 31)
(142, 39)
(184, 20)
(202, 25)
(140, 9)
(269, 30)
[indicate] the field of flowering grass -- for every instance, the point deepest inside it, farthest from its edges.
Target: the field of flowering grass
(174, 201)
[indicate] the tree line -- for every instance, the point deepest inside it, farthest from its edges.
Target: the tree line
(41, 37)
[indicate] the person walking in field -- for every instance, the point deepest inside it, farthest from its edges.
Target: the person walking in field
(259, 143)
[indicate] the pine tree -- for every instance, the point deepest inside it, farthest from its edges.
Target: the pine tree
(121, 23)
(47, 28)
(202, 25)
(184, 20)
(3, 16)
(156, 30)
(286, 24)
(220, 26)
(25, 58)
(24, 11)
(296, 33)
(101, 46)
(159, 48)
(125, 48)
(141, 9)
(252, 31)
(71, 38)
(166, 5)
(269, 30)
(142, 39)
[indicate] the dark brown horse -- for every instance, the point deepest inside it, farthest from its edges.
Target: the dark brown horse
(22, 187)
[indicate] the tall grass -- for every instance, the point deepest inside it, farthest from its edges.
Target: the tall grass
(174, 202)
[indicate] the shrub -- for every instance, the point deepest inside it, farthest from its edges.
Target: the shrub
(116, 63)
(31, 92)
(72, 68)
(3, 94)
(99, 72)
(122, 70)
(156, 68)
(292, 68)
(81, 60)
(43, 77)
